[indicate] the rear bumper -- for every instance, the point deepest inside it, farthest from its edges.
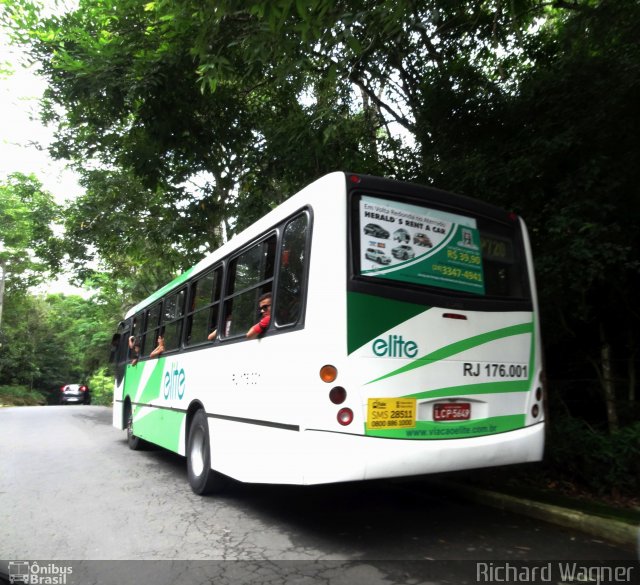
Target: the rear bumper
(309, 457)
(351, 457)
(74, 399)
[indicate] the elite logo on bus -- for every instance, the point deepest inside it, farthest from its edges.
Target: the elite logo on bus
(175, 382)
(395, 346)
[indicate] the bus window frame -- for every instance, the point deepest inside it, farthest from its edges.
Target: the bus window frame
(220, 298)
(215, 299)
(157, 329)
(165, 323)
(424, 294)
(259, 286)
(306, 212)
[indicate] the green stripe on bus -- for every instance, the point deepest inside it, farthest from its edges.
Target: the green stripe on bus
(430, 430)
(176, 282)
(160, 426)
(473, 389)
(134, 377)
(459, 347)
(369, 316)
(154, 383)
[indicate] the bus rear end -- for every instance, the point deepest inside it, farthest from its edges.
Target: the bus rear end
(443, 366)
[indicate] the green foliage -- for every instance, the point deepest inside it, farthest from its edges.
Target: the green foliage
(173, 168)
(189, 120)
(28, 247)
(20, 396)
(604, 463)
(48, 342)
(101, 386)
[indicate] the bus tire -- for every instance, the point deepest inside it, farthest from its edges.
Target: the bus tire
(135, 443)
(202, 479)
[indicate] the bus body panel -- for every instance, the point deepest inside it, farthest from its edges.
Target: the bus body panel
(270, 416)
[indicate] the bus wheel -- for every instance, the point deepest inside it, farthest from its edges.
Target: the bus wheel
(135, 443)
(202, 479)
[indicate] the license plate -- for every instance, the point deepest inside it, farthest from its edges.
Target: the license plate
(391, 413)
(452, 411)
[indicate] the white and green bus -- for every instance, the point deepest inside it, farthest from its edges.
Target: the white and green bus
(403, 340)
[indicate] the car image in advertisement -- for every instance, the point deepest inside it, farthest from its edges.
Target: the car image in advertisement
(419, 245)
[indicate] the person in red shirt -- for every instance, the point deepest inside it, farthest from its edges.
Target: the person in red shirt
(264, 302)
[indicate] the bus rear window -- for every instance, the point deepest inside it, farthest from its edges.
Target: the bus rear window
(424, 246)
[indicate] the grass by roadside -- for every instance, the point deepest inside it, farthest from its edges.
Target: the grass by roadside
(20, 396)
(532, 482)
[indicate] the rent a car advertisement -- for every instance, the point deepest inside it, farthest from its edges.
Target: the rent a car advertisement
(413, 244)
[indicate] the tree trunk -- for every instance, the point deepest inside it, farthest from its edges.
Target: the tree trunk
(631, 367)
(3, 269)
(608, 385)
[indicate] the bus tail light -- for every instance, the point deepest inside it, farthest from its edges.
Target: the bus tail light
(338, 395)
(328, 373)
(345, 416)
(455, 316)
(535, 411)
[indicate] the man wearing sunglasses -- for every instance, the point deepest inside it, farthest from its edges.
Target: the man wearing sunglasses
(264, 303)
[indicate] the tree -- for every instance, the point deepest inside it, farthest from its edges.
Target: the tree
(28, 248)
(176, 168)
(55, 340)
(560, 150)
(529, 104)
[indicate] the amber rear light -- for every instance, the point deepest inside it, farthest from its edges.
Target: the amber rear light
(328, 373)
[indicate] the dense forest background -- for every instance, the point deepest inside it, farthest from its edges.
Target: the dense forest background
(187, 121)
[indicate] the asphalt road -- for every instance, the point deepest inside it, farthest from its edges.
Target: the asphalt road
(70, 489)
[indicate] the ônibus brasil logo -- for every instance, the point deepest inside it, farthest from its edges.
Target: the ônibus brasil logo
(395, 346)
(37, 573)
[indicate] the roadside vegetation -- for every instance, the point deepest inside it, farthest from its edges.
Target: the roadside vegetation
(186, 124)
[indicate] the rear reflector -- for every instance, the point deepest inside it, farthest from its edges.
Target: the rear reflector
(345, 416)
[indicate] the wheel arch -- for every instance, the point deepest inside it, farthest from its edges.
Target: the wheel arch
(126, 407)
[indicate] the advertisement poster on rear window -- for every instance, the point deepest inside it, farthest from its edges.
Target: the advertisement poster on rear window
(414, 244)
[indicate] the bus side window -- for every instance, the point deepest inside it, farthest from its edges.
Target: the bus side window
(136, 333)
(250, 275)
(172, 320)
(150, 339)
(292, 271)
(203, 311)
